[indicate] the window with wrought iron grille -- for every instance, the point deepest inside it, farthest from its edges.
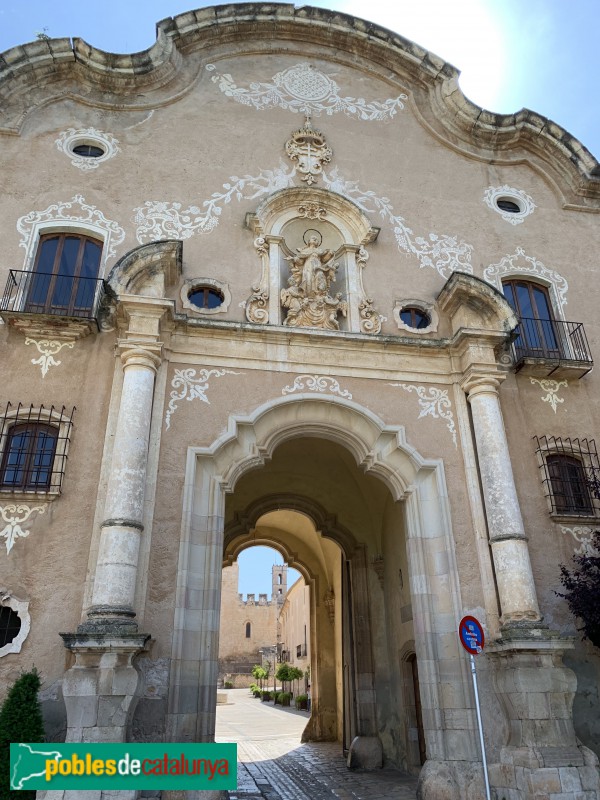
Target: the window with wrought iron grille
(33, 448)
(570, 475)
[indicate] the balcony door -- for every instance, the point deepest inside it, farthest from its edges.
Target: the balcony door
(537, 332)
(64, 278)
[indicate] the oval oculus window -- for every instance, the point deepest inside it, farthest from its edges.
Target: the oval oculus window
(206, 297)
(414, 317)
(505, 204)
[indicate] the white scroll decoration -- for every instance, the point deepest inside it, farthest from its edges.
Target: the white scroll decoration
(441, 252)
(191, 386)
(14, 515)
(72, 137)
(161, 220)
(316, 383)
(77, 211)
(434, 403)
(551, 388)
(48, 348)
(306, 90)
(519, 263)
(583, 536)
(526, 205)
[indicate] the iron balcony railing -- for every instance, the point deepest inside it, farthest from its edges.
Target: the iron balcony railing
(48, 293)
(551, 340)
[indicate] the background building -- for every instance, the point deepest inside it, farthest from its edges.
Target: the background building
(277, 281)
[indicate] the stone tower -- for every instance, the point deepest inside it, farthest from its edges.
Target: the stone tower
(279, 572)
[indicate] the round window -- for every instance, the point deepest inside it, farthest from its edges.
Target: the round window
(88, 150)
(206, 297)
(10, 625)
(415, 317)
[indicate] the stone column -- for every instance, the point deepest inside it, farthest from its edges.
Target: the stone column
(366, 751)
(514, 575)
(116, 570)
(100, 689)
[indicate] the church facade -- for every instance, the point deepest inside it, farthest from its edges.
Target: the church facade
(277, 281)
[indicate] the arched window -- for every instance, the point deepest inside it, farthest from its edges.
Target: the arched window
(248, 630)
(569, 486)
(63, 281)
(538, 332)
(279, 578)
(28, 458)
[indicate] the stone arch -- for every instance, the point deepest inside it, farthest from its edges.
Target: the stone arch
(380, 451)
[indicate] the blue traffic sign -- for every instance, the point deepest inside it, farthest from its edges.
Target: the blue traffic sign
(471, 635)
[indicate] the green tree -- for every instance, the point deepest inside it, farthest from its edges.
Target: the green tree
(582, 590)
(20, 721)
(283, 673)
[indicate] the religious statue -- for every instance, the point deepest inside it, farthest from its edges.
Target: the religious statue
(307, 298)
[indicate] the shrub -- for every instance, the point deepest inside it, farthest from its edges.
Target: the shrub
(20, 721)
(228, 685)
(276, 697)
(582, 589)
(257, 693)
(266, 696)
(253, 687)
(302, 701)
(285, 698)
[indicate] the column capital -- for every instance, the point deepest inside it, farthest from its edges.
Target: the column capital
(133, 355)
(481, 383)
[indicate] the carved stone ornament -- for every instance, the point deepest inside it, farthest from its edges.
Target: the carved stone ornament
(309, 148)
(307, 299)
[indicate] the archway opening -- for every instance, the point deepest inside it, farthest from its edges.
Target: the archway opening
(345, 534)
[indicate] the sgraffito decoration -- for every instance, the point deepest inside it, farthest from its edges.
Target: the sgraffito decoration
(440, 252)
(434, 403)
(304, 89)
(191, 385)
(14, 515)
(583, 536)
(526, 205)
(161, 220)
(75, 210)
(70, 138)
(48, 348)
(519, 263)
(551, 388)
(316, 383)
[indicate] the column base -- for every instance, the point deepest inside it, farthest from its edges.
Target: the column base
(365, 753)
(100, 689)
(528, 773)
(543, 757)
(451, 780)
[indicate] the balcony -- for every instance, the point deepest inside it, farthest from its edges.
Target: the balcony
(51, 305)
(549, 347)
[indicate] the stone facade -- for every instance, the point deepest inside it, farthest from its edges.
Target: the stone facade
(304, 232)
(247, 626)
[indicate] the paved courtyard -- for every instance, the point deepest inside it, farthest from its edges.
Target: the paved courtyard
(274, 765)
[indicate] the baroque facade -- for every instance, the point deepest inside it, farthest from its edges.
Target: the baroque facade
(277, 281)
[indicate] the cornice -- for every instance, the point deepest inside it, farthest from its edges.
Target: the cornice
(43, 71)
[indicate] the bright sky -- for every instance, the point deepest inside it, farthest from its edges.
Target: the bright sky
(540, 54)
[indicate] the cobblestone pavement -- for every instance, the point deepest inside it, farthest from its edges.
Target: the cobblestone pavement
(274, 765)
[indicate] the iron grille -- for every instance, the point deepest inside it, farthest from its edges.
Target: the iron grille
(551, 340)
(570, 474)
(34, 442)
(48, 293)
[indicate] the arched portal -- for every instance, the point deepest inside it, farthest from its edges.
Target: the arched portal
(364, 517)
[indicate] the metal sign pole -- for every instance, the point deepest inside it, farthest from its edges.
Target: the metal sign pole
(485, 771)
